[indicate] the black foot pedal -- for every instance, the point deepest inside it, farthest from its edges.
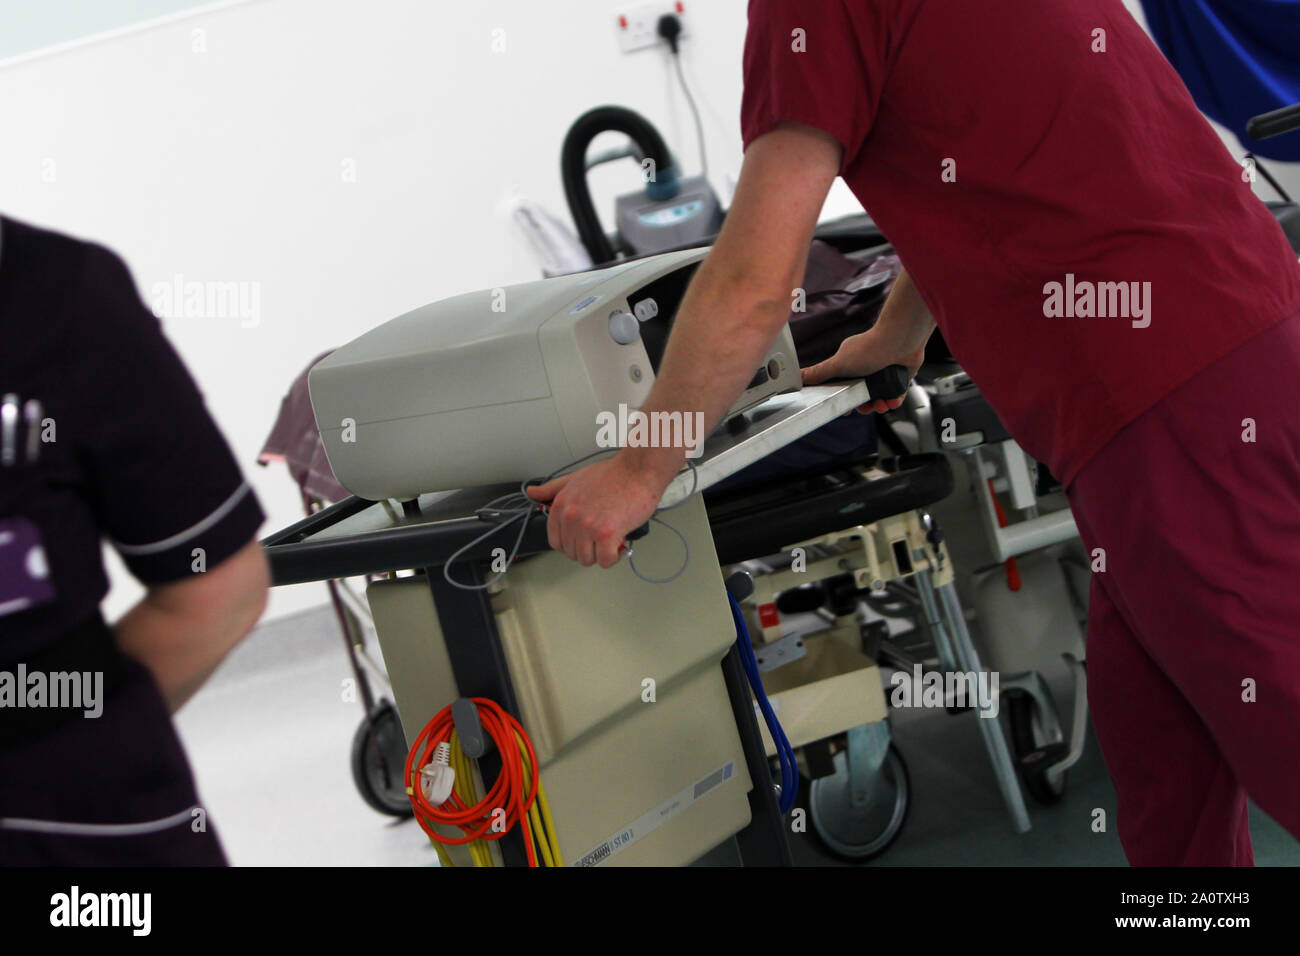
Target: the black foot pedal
(1044, 758)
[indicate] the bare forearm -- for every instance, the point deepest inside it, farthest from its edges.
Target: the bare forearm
(734, 308)
(721, 332)
(179, 651)
(740, 296)
(182, 633)
(905, 316)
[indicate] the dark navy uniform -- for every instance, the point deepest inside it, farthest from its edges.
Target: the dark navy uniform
(103, 437)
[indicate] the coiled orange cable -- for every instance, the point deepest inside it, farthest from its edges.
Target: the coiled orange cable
(513, 792)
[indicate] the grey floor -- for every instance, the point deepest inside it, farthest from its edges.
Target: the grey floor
(958, 817)
(270, 738)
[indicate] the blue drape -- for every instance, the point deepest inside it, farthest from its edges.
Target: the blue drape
(1239, 58)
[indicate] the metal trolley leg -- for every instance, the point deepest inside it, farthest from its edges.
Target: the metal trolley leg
(478, 664)
(950, 633)
(763, 842)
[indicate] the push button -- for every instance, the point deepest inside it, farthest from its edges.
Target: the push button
(624, 328)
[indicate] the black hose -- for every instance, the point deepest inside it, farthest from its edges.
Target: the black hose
(573, 171)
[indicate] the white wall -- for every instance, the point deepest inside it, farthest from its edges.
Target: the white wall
(227, 165)
(213, 145)
(33, 27)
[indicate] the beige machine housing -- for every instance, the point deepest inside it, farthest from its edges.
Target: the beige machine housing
(619, 685)
(506, 384)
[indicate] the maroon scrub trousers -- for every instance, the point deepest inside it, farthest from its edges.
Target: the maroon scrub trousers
(1194, 625)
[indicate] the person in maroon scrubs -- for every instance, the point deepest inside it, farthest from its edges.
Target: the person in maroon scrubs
(104, 436)
(1097, 261)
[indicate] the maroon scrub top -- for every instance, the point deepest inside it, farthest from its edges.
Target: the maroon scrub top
(1025, 158)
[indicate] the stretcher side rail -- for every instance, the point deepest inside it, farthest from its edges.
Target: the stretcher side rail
(770, 517)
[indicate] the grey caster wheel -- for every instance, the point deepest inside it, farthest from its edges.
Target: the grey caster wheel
(1032, 749)
(379, 762)
(857, 834)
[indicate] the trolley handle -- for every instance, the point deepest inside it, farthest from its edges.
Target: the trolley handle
(890, 382)
(1268, 125)
(541, 517)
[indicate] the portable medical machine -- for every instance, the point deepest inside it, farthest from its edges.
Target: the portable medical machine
(507, 384)
(618, 683)
(628, 682)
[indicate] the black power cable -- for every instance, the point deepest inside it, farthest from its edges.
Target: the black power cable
(670, 28)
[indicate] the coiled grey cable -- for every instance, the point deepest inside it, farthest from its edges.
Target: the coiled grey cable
(517, 506)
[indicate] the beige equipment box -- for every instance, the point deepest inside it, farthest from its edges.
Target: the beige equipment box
(508, 383)
(619, 684)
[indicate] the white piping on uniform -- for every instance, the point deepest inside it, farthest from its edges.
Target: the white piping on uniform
(97, 829)
(226, 507)
(17, 604)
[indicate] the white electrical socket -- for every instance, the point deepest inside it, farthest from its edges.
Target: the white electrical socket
(637, 27)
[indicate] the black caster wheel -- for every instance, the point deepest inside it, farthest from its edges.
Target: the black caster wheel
(379, 762)
(857, 834)
(1031, 748)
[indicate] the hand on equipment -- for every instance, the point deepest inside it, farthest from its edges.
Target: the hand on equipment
(860, 355)
(591, 511)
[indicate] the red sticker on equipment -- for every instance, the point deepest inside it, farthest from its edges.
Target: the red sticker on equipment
(768, 615)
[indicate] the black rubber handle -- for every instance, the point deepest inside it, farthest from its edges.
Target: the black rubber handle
(1267, 125)
(890, 382)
